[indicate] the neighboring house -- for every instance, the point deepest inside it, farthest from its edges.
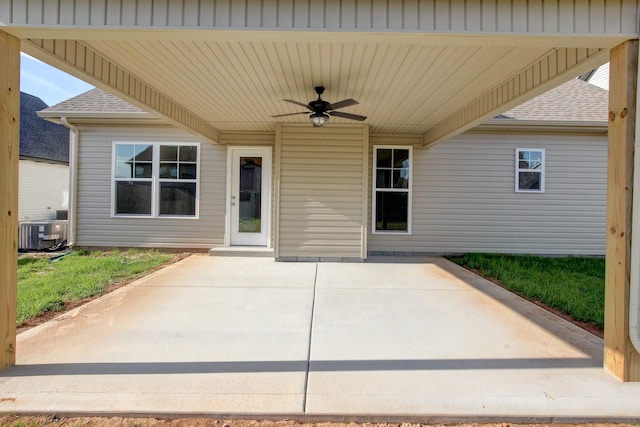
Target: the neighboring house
(44, 164)
(532, 180)
(598, 76)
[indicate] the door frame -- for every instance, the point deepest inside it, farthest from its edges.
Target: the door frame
(267, 181)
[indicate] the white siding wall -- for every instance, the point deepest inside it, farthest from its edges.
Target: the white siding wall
(96, 227)
(464, 198)
(322, 192)
(601, 77)
(44, 188)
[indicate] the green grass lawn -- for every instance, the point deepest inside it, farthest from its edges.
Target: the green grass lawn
(46, 286)
(572, 285)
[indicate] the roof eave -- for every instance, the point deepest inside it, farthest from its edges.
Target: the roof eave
(563, 126)
(98, 117)
(44, 160)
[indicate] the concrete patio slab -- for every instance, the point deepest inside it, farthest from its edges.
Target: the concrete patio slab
(404, 338)
(456, 346)
(198, 336)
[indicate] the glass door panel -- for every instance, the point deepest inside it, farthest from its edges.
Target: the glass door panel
(250, 195)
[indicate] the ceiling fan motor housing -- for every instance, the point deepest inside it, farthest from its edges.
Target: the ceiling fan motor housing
(319, 106)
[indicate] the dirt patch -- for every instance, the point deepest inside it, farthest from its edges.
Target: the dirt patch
(45, 317)
(50, 421)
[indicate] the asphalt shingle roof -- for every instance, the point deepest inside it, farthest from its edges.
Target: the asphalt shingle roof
(94, 101)
(575, 100)
(40, 139)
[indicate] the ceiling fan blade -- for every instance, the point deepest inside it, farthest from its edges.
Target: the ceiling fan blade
(299, 103)
(341, 104)
(290, 114)
(347, 115)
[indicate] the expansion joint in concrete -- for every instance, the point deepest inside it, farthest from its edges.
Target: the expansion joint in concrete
(313, 308)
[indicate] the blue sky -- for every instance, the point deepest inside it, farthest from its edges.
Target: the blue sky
(48, 83)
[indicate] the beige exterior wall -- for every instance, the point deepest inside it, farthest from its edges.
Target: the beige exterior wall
(96, 227)
(322, 192)
(463, 194)
(44, 188)
(464, 197)
(248, 138)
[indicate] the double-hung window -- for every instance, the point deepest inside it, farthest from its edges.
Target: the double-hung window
(530, 170)
(392, 189)
(155, 179)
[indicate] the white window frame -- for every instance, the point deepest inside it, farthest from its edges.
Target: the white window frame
(155, 180)
(399, 190)
(541, 171)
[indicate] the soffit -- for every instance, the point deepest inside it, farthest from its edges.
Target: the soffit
(404, 85)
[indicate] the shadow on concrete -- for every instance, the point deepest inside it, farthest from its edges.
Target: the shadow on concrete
(167, 368)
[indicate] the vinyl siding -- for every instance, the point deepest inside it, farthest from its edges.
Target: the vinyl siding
(442, 16)
(463, 194)
(247, 138)
(96, 227)
(464, 198)
(321, 192)
(44, 188)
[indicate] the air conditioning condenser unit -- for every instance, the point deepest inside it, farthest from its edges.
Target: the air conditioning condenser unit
(40, 235)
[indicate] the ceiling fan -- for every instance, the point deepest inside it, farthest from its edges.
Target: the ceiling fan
(321, 109)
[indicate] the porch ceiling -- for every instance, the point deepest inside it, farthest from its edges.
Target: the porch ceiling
(402, 87)
(235, 81)
(431, 68)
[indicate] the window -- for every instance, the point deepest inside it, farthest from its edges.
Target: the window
(392, 189)
(530, 170)
(155, 179)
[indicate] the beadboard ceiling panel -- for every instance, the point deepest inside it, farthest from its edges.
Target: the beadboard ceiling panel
(238, 85)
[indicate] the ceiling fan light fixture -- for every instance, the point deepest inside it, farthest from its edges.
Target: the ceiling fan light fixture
(321, 110)
(318, 119)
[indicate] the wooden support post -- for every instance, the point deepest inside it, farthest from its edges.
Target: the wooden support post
(620, 357)
(9, 155)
